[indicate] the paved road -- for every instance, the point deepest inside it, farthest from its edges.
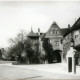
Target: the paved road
(18, 73)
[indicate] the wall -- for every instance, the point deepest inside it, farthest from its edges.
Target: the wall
(55, 36)
(56, 43)
(66, 45)
(75, 34)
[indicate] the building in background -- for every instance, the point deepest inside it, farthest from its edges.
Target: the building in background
(55, 36)
(59, 39)
(73, 32)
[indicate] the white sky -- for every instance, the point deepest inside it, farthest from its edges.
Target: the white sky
(17, 15)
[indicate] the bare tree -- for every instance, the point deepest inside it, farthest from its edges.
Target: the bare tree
(21, 37)
(17, 44)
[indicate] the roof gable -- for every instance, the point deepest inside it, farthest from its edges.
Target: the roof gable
(54, 30)
(76, 25)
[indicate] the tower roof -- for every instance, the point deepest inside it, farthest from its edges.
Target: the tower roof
(51, 32)
(32, 34)
(54, 24)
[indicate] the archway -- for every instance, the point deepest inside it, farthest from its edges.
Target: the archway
(57, 56)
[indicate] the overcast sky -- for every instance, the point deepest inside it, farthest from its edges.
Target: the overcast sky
(15, 16)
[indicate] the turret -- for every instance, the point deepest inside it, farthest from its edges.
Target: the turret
(38, 31)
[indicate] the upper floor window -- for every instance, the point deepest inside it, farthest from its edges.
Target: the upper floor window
(56, 43)
(51, 33)
(76, 36)
(55, 32)
(61, 41)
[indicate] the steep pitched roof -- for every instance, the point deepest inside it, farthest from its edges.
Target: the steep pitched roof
(64, 31)
(75, 26)
(53, 27)
(54, 24)
(32, 34)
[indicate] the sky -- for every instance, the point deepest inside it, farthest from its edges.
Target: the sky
(22, 15)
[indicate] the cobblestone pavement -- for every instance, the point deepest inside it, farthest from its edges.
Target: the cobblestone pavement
(18, 73)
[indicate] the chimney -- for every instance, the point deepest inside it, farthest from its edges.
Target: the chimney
(70, 35)
(39, 31)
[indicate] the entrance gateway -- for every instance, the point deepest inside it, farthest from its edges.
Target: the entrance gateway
(57, 56)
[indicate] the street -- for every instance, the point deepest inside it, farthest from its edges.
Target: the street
(24, 72)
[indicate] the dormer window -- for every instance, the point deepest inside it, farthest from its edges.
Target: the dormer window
(55, 32)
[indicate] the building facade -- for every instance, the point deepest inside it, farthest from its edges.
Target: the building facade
(59, 39)
(55, 36)
(74, 32)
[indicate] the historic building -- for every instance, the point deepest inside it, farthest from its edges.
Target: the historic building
(74, 32)
(59, 38)
(55, 36)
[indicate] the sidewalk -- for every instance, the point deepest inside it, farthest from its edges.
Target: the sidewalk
(60, 68)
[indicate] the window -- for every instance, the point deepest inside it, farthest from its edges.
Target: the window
(61, 41)
(56, 43)
(76, 36)
(51, 33)
(55, 32)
